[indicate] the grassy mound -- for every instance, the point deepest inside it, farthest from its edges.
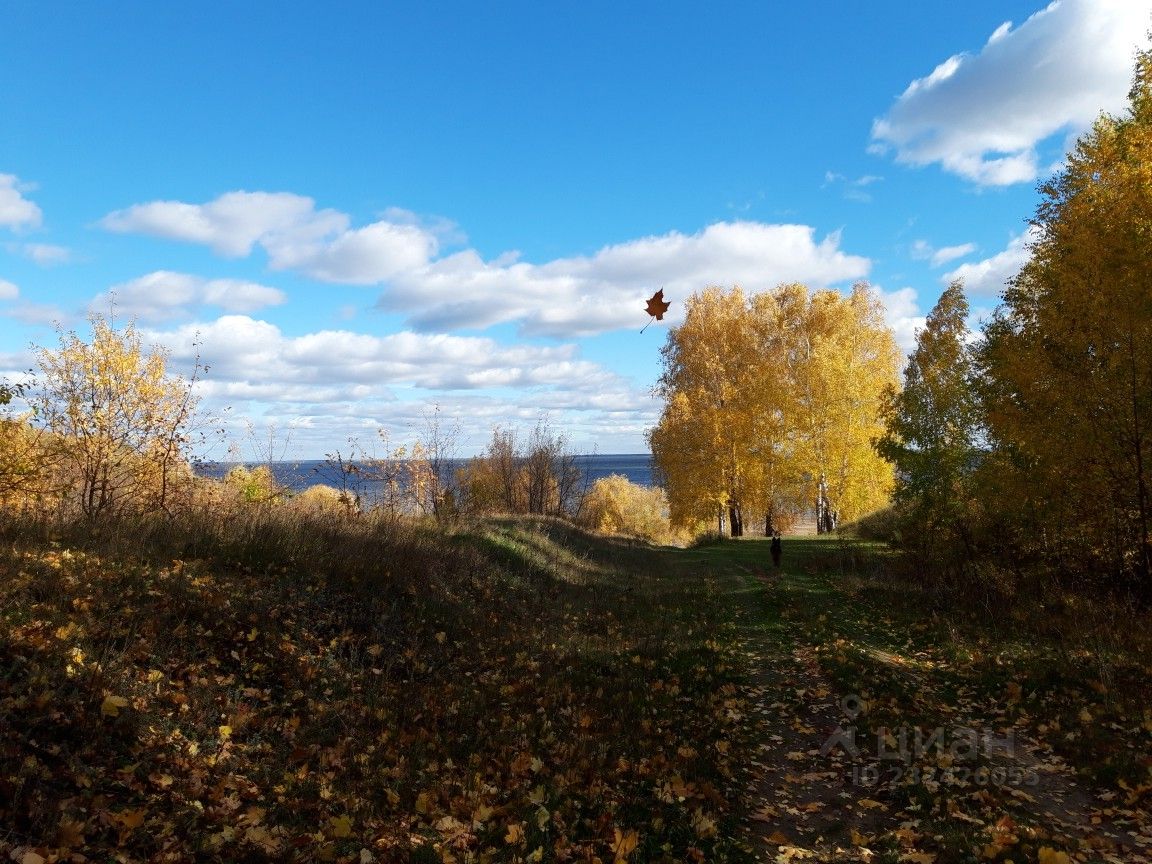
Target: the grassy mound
(275, 689)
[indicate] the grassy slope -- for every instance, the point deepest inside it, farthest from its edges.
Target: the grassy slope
(256, 691)
(837, 626)
(523, 691)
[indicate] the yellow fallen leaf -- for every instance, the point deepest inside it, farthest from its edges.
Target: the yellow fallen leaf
(1048, 855)
(765, 814)
(225, 732)
(111, 706)
(624, 845)
(449, 825)
(341, 826)
(129, 819)
(515, 834)
(859, 839)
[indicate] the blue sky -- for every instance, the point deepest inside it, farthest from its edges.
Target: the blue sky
(358, 211)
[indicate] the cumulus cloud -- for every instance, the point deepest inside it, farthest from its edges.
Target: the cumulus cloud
(922, 250)
(8, 290)
(564, 297)
(989, 277)
(244, 353)
(293, 233)
(163, 294)
(982, 115)
(233, 223)
(902, 312)
(584, 295)
(16, 211)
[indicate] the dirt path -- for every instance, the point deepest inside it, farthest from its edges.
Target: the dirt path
(837, 773)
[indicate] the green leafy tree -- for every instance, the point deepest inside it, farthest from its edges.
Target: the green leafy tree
(932, 427)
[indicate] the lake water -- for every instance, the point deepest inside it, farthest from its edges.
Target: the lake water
(297, 476)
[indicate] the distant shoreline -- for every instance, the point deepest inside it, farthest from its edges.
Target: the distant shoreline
(299, 474)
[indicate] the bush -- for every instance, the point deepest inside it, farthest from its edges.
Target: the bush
(615, 505)
(321, 500)
(253, 485)
(882, 525)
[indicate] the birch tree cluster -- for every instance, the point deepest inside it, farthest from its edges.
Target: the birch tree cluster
(771, 405)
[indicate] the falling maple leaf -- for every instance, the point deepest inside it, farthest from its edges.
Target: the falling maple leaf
(656, 307)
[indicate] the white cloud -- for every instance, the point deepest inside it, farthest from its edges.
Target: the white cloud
(902, 312)
(163, 294)
(330, 385)
(245, 351)
(292, 232)
(989, 277)
(233, 223)
(922, 250)
(565, 297)
(46, 254)
(853, 190)
(16, 211)
(982, 115)
(579, 296)
(39, 314)
(8, 290)
(364, 256)
(950, 253)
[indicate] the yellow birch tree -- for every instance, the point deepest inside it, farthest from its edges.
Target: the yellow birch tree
(122, 423)
(772, 400)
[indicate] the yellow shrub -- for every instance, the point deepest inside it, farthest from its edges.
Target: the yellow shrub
(321, 500)
(253, 485)
(615, 505)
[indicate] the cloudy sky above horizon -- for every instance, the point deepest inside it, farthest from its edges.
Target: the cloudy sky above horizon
(352, 214)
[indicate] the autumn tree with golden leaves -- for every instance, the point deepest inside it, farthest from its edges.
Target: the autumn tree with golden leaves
(122, 424)
(1068, 357)
(771, 405)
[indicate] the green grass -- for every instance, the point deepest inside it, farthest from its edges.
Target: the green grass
(510, 689)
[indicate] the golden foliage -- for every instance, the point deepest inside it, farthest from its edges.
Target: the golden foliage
(771, 404)
(120, 424)
(1068, 357)
(615, 505)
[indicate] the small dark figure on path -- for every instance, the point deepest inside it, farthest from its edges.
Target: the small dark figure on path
(776, 551)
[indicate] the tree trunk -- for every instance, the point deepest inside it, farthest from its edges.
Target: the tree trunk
(735, 519)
